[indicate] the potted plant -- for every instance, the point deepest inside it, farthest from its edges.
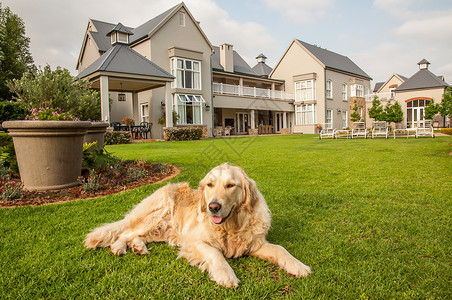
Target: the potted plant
(49, 146)
(96, 133)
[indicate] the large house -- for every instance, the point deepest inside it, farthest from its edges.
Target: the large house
(326, 86)
(166, 72)
(413, 94)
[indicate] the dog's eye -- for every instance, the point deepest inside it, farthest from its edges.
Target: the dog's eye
(210, 184)
(230, 185)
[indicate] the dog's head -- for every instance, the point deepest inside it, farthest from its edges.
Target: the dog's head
(226, 188)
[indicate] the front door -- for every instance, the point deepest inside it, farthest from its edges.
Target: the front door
(242, 121)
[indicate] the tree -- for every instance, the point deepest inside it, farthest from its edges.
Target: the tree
(393, 113)
(431, 110)
(15, 57)
(47, 88)
(376, 112)
(355, 117)
(445, 107)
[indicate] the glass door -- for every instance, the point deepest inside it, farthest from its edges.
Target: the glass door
(242, 123)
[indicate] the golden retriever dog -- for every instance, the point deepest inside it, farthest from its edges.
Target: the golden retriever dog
(225, 217)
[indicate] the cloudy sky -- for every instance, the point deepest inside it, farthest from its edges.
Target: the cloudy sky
(381, 36)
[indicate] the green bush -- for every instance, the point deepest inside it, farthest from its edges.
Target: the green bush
(446, 131)
(12, 111)
(5, 139)
(117, 137)
(183, 134)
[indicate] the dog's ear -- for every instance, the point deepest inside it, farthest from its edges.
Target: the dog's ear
(250, 192)
(202, 202)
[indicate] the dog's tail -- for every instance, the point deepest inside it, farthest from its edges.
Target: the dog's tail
(105, 235)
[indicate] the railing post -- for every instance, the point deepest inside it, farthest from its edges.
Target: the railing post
(221, 88)
(254, 90)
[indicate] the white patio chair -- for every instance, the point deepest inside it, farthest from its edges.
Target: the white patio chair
(426, 130)
(359, 129)
(380, 128)
(326, 132)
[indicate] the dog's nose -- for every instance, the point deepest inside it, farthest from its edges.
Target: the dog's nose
(214, 207)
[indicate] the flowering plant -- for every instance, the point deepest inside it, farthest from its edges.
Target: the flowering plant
(11, 191)
(128, 121)
(48, 113)
(319, 127)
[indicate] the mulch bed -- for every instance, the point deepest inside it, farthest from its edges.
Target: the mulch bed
(109, 184)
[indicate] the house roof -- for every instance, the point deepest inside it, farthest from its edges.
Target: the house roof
(120, 28)
(240, 66)
(333, 60)
(262, 69)
(421, 80)
(377, 86)
(122, 59)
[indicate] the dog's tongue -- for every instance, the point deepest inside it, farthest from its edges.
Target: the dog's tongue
(217, 220)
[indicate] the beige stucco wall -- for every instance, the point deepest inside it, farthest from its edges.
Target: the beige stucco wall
(121, 109)
(401, 97)
(156, 49)
(90, 54)
(393, 80)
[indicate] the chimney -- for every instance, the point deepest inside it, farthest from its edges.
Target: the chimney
(261, 58)
(423, 64)
(227, 57)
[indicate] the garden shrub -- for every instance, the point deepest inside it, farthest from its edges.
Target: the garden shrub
(446, 131)
(183, 134)
(5, 139)
(117, 137)
(12, 111)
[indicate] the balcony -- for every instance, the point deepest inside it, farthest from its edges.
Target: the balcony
(381, 96)
(238, 90)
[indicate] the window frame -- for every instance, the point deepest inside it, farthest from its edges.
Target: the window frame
(329, 89)
(142, 112)
(181, 73)
(344, 92)
(302, 88)
(330, 118)
(305, 112)
(182, 101)
(181, 19)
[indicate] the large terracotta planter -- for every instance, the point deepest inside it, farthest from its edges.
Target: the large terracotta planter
(96, 133)
(49, 153)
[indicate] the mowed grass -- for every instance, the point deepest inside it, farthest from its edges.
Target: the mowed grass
(373, 219)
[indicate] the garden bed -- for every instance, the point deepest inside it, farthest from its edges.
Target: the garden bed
(130, 175)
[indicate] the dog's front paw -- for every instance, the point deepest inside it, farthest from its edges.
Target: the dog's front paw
(118, 248)
(298, 269)
(226, 278)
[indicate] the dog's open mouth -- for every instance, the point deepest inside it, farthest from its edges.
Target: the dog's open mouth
(220, 220)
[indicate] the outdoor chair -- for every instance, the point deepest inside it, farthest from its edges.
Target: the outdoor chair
(145, 128)
(116, 126)
(359, 129)
(380, 128)
(227, 130)
(426, 130)
(326, 132)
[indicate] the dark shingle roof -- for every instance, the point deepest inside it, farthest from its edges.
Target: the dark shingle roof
(123, 59)
(334, 60)
(142, 31)
(120, 28)
(422, 79)
(262, 69)
(100, 36)
(377, 86)
(240, 66)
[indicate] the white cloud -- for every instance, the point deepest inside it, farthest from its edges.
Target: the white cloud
(301, 11)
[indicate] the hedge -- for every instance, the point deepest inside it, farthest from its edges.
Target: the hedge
(12, 111)
(446, 131)
(5, 139)
(183, 134)
(117, 137)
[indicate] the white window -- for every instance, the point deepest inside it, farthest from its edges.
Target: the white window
(357, 90)
(144, 112)
(344, 92)
(392, 91)
(360, 112)
(305, 90)
(305, 114)
(189, 109)
(344, 119)
(187, 73)
(329, 118)
(123, 37)
(329, 89)
(182, 19)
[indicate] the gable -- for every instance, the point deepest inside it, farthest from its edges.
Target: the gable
(393, 81)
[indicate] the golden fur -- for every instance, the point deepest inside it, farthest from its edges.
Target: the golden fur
(225, 217)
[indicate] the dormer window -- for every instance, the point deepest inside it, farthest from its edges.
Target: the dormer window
(182, 19)
(119, 34)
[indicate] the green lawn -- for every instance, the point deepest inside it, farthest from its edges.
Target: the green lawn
(373, 219)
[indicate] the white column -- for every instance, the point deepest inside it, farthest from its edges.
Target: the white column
(240, 86)
(168, 105)
(104, 99)
(253, 118)
(284, 120)
(135, 114)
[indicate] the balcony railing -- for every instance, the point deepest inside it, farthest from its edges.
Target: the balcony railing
(238, 90)
(381, 96)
